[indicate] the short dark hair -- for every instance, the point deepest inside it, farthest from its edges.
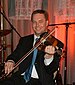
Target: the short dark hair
(41, 12)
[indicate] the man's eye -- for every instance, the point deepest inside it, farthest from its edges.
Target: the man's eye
(40, 21)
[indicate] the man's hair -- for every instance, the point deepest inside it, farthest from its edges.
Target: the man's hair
(40, 12)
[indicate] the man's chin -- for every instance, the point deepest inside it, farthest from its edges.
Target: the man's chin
(38, 34)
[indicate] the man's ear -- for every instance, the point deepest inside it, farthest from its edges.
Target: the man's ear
(47, 23)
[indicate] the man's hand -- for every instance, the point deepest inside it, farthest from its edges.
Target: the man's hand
(50, 50)
(9, 67)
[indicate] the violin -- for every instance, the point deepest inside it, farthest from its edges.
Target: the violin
(44, 40)
(51, 40)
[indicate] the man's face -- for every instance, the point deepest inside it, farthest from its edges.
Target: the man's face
(39, 24)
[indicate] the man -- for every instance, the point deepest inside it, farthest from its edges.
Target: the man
(46, 62)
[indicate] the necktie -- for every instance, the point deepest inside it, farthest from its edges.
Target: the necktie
(28, 72)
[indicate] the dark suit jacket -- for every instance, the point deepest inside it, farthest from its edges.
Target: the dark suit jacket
(45, 73)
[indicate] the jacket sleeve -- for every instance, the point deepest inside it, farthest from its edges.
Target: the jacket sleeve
(53, 66)
(18, 52)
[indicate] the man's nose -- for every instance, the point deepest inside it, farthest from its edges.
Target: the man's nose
(37, 24)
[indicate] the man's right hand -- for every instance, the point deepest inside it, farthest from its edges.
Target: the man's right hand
(9, 65)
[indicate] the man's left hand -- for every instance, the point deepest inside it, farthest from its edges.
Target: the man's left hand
(50, 50)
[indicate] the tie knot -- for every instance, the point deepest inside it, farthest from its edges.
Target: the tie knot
(36, 39)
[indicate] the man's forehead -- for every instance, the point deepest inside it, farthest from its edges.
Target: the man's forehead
(38, 17)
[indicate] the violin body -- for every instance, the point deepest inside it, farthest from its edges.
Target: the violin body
(51, 40)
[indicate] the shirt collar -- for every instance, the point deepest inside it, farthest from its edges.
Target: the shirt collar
(36, 37)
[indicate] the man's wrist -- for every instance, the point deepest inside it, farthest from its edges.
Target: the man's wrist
(47, 61)
(11, 61)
